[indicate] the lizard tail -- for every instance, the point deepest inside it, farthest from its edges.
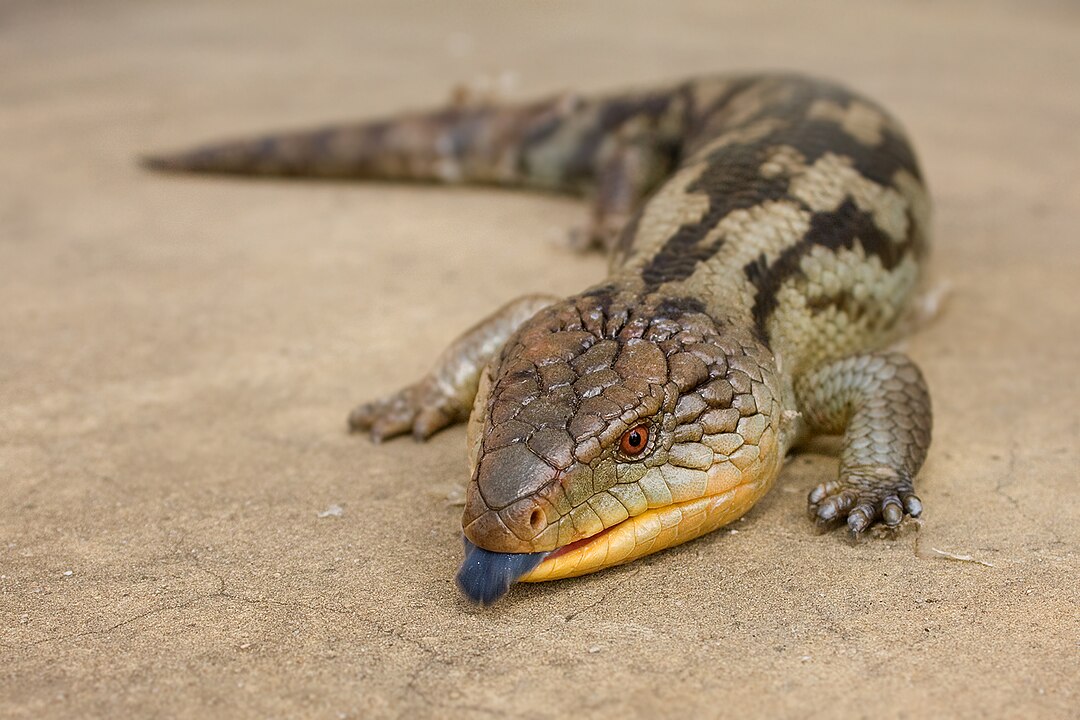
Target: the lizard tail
(479, 144)
(554, 144)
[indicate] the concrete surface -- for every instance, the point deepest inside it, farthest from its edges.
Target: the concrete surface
(177, 357)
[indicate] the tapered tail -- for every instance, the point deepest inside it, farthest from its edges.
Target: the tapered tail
(482, 144)
(554, 144)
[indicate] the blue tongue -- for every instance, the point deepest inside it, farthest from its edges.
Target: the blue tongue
(485, 576)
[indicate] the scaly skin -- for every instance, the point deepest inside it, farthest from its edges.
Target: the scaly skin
(778, 249)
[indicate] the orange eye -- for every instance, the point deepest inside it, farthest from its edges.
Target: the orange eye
(634, 441)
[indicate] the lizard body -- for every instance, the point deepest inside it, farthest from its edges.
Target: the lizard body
(765, 234)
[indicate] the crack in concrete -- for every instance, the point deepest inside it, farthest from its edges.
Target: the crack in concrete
(220, 592)
(605, 596)
(999, 486)
(117, 626)
(413, 690)
(999, 489)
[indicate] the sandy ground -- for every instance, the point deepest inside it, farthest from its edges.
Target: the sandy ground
(177, 357)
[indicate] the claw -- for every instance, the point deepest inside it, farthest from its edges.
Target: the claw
(892, 512)
(822, 491)
(837, 505)
(416, 409)
(428, 422)
(360, 418)
(390, 425)
(860, 518)
(859, 506)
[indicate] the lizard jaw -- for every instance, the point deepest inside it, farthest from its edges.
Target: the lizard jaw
(641, 535)
(486, 576)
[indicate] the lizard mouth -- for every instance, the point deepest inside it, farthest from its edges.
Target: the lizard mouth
(644, 534)
(486, 576)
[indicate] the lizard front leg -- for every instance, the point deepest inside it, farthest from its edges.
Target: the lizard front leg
(881, 405)
(445, 395)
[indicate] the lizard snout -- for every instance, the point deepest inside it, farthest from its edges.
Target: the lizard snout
(503, 510)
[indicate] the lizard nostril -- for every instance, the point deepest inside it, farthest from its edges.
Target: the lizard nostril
(536, 519)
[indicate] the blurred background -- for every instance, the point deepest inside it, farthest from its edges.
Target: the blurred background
(178, 355)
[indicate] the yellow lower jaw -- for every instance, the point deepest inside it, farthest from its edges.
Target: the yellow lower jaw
(650, 532)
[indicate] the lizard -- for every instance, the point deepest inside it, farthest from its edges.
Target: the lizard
(766, 234)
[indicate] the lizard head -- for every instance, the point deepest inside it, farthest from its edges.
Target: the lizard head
(610, 428)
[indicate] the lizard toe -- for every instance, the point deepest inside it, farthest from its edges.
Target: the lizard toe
(861, 499)
(420, 409)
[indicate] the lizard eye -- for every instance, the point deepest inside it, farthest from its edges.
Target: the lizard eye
(634, 441)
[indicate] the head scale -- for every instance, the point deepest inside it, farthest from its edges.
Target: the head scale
(604, 407)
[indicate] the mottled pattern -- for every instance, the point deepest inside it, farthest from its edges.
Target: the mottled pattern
(766, 234)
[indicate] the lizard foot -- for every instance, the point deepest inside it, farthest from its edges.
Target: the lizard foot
(445, 395)
(422, 408)
(862, 496)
